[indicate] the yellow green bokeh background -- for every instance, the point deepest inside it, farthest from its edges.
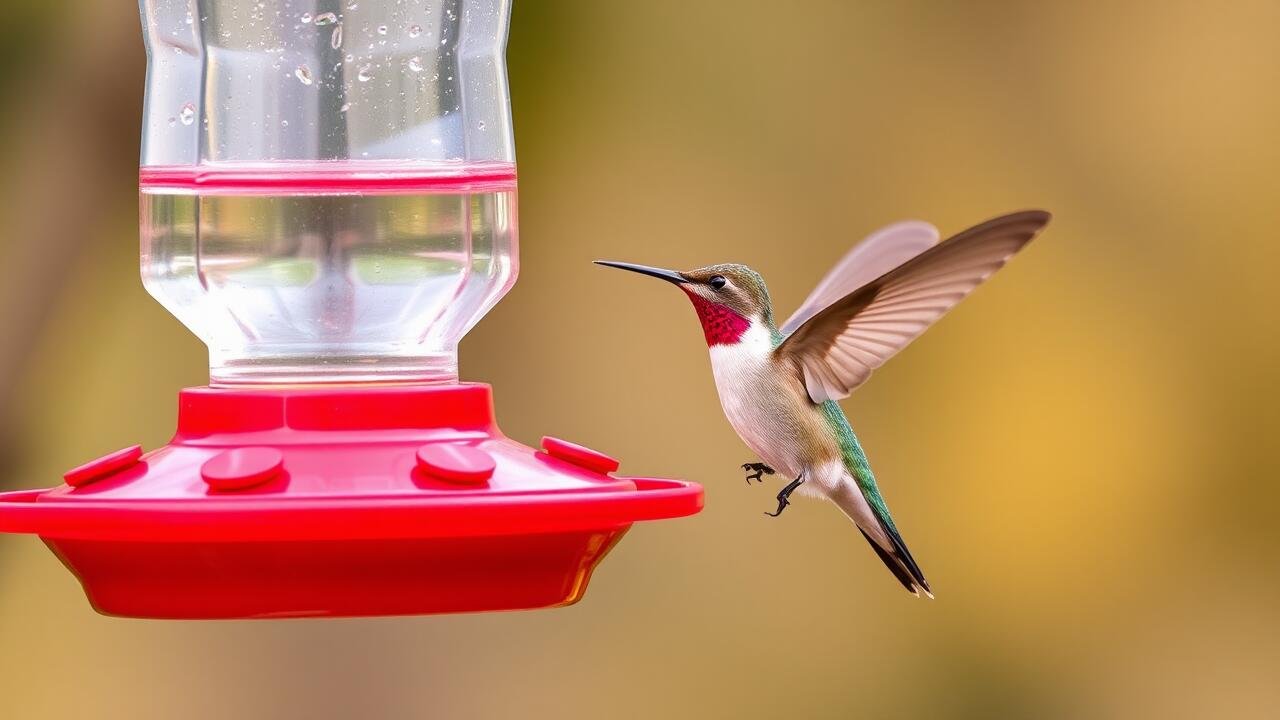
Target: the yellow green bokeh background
(1082, 456)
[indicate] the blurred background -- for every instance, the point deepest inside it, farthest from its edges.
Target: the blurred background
(1082, 456)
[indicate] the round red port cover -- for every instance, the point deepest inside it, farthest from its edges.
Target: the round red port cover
(242, 468)
(103, 466)
(583, 457)
(456, 463)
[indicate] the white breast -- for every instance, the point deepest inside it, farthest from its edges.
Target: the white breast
(750, 399)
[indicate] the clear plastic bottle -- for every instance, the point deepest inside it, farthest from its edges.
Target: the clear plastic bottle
(328, 186)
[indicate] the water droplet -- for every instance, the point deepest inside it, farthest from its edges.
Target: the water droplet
(335, 40)
(415, 63)
(480, 124)
(306, 18)
(303, 73)
(187, 114)
(172, 121)
(352, 5)
(415, 31)
(365, 74)
(345, 107)
(178, 51)
(325, 19)
(284, 123)
(382, 29)
(190, 19)
(350, 57)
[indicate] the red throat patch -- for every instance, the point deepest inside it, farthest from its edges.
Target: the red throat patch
(720, 324)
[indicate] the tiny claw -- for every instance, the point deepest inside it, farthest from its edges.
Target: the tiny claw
(758, 470)
(783, 497)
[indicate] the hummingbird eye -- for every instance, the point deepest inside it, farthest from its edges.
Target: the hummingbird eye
(717, 281)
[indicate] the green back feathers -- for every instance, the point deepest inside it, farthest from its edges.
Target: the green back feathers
(855, 461)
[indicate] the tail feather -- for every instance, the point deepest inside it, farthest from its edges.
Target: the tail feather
(895, 556)
(904, 555)
(894, 566)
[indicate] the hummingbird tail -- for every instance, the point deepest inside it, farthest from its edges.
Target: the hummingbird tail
(893, 553)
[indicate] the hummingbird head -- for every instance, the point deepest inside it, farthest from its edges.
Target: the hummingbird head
(729, 298)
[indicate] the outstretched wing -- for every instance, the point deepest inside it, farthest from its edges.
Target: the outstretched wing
(881, 251)
(839, 346)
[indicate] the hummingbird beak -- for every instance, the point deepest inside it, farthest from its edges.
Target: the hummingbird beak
(668, 275)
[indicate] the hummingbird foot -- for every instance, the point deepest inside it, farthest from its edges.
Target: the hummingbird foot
(756, 470)
(785, 495)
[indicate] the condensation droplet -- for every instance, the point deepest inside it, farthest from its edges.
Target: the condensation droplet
(415, 31)
(345, 107)
(335, 40)
(303, 73)
(284, 123)
(415, 64)
(187, 114)
(306, 18)
(352, 5)
(172, 121)
(190, 19)
(365, 74)
(382, 29)
(325, 19)
(480, 124)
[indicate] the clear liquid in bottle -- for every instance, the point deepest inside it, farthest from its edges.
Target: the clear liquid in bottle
(329, 272)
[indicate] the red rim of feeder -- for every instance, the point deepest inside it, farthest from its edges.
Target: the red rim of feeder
(344, 501)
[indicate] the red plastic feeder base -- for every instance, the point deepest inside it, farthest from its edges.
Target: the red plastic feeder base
(344, 502)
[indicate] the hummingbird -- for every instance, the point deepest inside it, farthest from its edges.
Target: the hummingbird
(779, 384)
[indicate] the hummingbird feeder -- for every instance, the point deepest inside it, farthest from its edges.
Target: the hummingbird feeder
(328, 200)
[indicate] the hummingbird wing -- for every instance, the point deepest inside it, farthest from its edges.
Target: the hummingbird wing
(881, 251)
(838, 347)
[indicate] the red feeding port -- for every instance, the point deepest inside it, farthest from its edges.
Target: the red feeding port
(342, 501)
